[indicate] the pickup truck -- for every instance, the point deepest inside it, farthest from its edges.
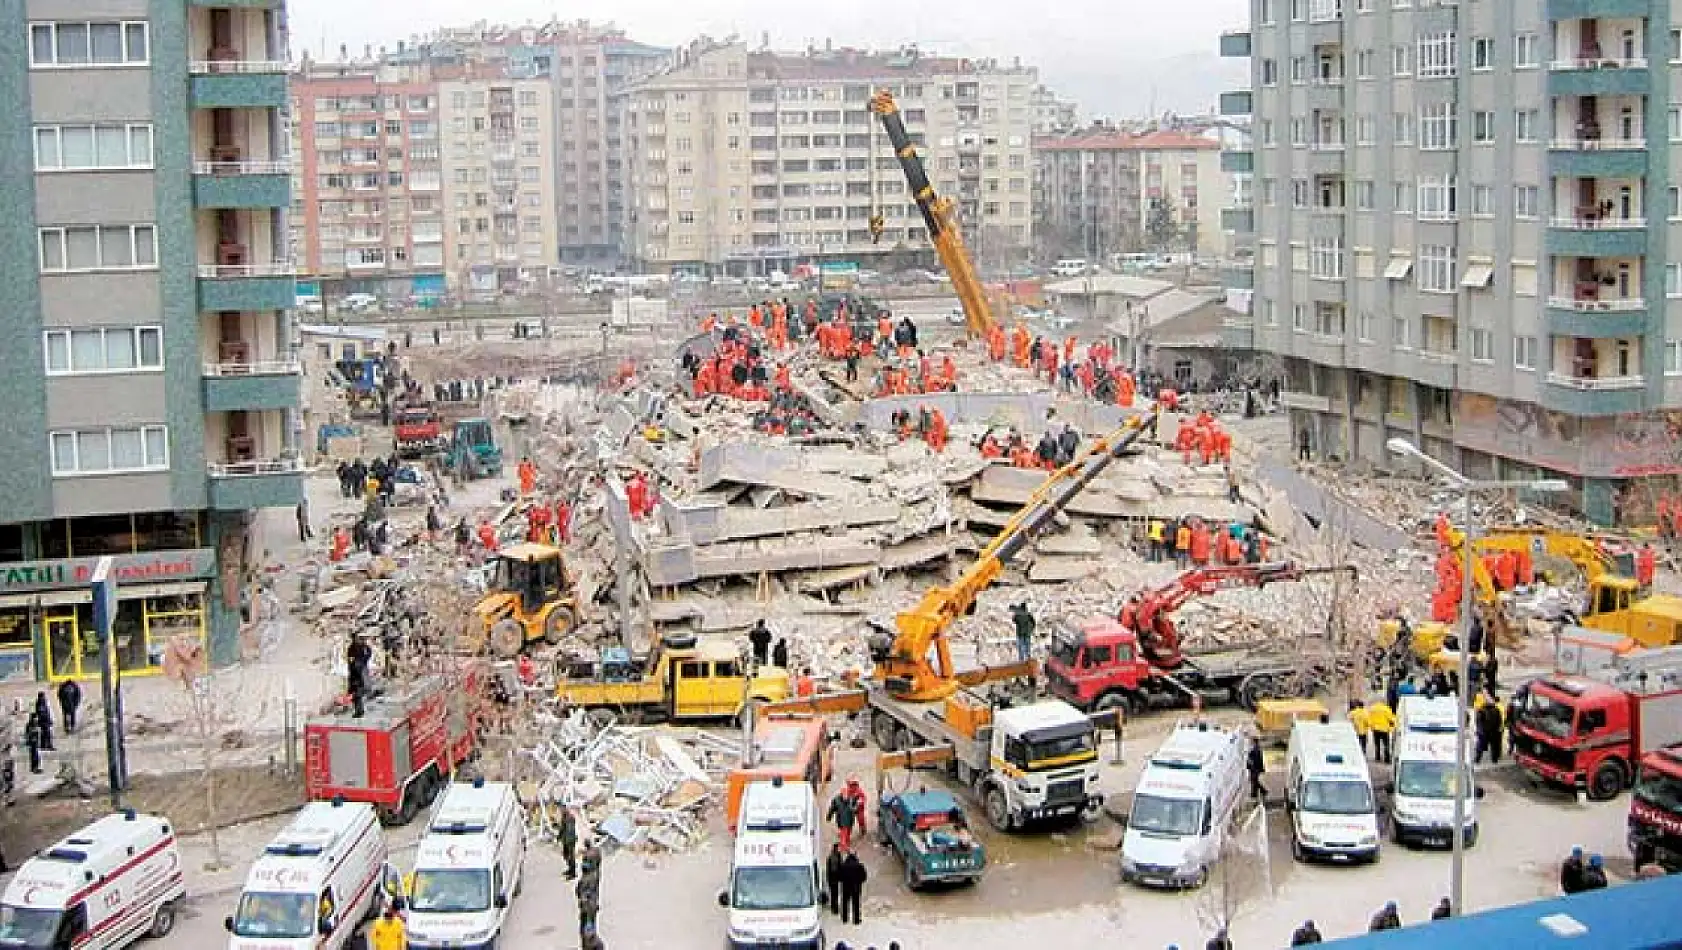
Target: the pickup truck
(417, 431)
(931, 836)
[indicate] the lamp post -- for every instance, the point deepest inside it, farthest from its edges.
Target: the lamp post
(1466, 487)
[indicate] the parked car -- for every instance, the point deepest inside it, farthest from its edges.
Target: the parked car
(930, 834)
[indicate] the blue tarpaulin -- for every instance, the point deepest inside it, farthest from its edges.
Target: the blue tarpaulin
(1643, 915)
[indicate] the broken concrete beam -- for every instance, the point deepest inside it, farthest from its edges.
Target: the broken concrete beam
(736, 524)
(913, 553)
(1007, 485)
(1059, 568)
(749, 558)
(818, 582)
(748, 464)
(1078, 540)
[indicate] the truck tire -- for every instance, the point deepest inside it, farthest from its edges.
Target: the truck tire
(507, 637)
(1254, 688)
(1111, 701)
(557, 625)
(885, 731)
(1606, 781)
(913, 881)
(163, 921)
(998, 809)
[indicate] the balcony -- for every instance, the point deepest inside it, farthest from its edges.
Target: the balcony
(1596, 318)
(231, 387)
(1598, 9)
(271, 286)
(1439, 368)
(238, 84)
(1236, 103)
(256, 483)
(1235, 161)
(1576, 80)
(1597, 158)
(1578, 241)
(1593, 395)
(1235, 44)
(241, 184)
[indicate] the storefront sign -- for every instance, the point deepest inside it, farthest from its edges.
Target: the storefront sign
(150, 568)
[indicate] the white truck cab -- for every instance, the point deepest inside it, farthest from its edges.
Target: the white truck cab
(775, 894)
(1328, 794)
(314, 883)
(105, 886)
(1047, 754)
(1422, 792)
(1183, 807)
(468, 867)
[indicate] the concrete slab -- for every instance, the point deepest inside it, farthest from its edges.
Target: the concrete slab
(1077, 540)
(913, 553)
(1026, 412)
(776, 466)
(1057, 569)
(1310, 500)
(736, 524)
(817, 582)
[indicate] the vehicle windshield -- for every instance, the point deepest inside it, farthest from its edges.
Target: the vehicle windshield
(28, 926)
(1426, 779)
(772, 888)
(1042, 750)
(1661, 791)
(1065, 651)
(1168, 816)
(1337, 798)
(262, 914)
(456, 891)
(1549, 716)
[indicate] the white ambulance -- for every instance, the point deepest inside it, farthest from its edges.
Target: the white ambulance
(1328, 794)
(315, 883)
(775, 890)
(105, 886)
(468, 867)
(1183, 807)
(1423, 788)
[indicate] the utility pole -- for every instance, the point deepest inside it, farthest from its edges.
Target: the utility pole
(104, 591)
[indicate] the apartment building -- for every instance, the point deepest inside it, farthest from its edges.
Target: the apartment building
(368, 203)
(499, 190)
(150, 380)
(751, 161)
(1462, 218)
(1105, 192)
(1053, 115)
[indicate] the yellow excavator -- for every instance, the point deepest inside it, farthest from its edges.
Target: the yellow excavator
(941, 218)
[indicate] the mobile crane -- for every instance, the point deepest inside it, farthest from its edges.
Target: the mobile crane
(1135, 659)
(1023, 762)
(939, 215)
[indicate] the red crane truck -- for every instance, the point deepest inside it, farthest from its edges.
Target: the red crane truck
(1655, 811)
(1590, 731)
(417, 431)
(1135, 660)
(401, 751)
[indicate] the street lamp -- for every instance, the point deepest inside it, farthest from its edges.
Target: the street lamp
(1466, 486)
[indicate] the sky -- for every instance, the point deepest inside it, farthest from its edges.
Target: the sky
(1114, 57)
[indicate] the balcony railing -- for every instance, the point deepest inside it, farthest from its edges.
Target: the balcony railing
(1449, 357)
(1597, 383)
(271, 269)
(278, 466)
(207, 67)
(1599, 62)
(242, 168)
(266, 368)
(1596, 145)
(1610, 305)
(1585, 223)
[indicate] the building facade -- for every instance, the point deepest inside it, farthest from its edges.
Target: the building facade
(368, 204)
(751, 161)
(1462, 217)
(499, 190)
(151, 382)
(1105, 192)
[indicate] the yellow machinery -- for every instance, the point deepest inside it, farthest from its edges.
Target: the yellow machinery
(530, 598)
(681, 679)
(939, 215)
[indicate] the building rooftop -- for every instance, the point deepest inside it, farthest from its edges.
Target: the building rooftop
(849, 63)
(1109, 140)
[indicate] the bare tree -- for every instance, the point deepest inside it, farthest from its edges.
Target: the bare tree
(212, 704)
(1241, 876)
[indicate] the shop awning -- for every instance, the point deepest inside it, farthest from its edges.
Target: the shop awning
(1399, 268)
(61, 598)
(1478, 276)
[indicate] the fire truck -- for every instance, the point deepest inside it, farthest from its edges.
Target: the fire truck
(1590, 731)
(1655, 810)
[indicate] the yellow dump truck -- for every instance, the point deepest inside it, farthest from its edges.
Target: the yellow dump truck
(682, 678)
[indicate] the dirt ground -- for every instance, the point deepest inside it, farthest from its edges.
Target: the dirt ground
(242, 794)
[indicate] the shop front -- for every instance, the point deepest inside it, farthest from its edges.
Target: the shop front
(46, 613)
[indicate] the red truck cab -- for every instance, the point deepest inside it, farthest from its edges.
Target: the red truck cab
(1655, 810)
(417, 431)
(1580, 732)
(1096, 665)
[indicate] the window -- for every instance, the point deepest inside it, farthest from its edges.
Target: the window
(112, 350)
(1524, 278)
(1299, 317)
(1483, 126)
(1436, 55)
(1401, 198)
(1265, 16)
(1325, 259)
(1269, 72)
(76, 147)
(1300, 193)
(1673, 280)
(1269, 192)
(1364, 195)
(99, 247)
(118, 43)
(1483, 54)
(1524, 352)
(1437, 126)
(1436, 268)
(1299, 69)
(1673, 357)
(1483, 201)
(1402, 128)
(1400, 337)
(1363, 326)
(1674, 194)
(1401, 60)
(1366, 129)
(1299, 9)
(1363, 64)
(1437, 198)
(1526, 50)
(1269, 315)
(1676, 45)
(1527, 201)
(108, 451)
(1299, 132)
(1483, 346)
(1525, 124)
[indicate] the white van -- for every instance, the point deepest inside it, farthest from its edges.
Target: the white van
(1185, 802)
(1422, 791)
(105, 886)
(315, 882)
(1328, 794)
(775, 892)
(468, 867)
(1070, 267)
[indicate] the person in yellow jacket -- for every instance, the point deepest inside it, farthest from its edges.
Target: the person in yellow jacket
(1381, 719)
(1157, 535)
(388, 932)
(1182, 544)
(1361, 721)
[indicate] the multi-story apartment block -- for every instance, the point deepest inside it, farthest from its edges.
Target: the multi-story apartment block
(368, 211)
(1053, 115)
(1462, 218)
(499, 188)
(1105, 192)
(753, 161)
(150, 380)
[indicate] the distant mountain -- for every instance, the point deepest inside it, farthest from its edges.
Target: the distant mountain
(1188, 84)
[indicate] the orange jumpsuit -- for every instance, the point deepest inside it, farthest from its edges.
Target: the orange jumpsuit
(996, 343)
(936, 435)
(528, 477)
(487, 536)
(1019, 343)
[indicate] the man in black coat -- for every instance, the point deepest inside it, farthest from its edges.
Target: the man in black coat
(852, 878)
(832, 877)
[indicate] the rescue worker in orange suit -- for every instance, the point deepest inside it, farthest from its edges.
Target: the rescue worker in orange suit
(537, 524)
(936, 434)
(990, 448)
(487, 536)
(528, 476)
(1019, 341)
(1646, 565)
(782, 381)
(1200, 544)
(996, 343)
(563, 521)
(341, 544)
(636, 493)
